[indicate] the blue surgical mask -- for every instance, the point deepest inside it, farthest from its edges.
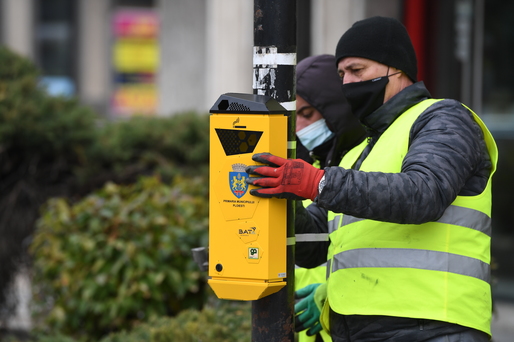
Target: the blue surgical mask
(315, 134)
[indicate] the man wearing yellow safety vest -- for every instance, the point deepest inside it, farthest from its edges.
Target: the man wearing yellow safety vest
(408, 211)
(326, 129)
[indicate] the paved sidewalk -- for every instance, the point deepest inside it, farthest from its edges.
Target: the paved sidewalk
(503, 322)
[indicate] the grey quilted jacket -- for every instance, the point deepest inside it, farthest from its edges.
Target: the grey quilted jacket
(447, 157)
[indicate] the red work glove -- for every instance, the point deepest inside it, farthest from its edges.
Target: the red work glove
(291, 179)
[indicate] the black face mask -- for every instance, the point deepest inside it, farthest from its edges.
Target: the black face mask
(365, 97)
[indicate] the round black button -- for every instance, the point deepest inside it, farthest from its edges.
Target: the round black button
(219, 267)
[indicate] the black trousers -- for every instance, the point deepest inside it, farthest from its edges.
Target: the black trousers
(358, 328)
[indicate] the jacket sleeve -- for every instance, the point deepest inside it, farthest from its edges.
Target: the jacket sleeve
(310, 220)
(445, 158)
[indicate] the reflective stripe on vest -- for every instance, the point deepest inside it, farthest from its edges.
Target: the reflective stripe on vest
(455, 215)
(311, 237)
(436, 270)
(334, 224)
(412, 258)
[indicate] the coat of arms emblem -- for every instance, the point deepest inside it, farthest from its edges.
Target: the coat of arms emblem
(237, 180)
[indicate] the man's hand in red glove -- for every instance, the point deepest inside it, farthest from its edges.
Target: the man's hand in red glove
(291, 179)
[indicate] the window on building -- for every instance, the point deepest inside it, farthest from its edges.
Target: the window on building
(498, 87)
(55, 45)
(134, 3)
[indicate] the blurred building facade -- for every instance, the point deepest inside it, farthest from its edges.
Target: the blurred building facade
(189, 51)
(168, 56)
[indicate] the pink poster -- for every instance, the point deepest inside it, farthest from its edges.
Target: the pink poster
(135, 60)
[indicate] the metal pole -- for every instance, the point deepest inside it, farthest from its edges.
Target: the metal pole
(274, 67)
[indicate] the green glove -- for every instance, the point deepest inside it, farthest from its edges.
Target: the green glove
(308, 309)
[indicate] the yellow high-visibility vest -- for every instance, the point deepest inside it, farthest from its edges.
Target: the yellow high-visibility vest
(437, 270)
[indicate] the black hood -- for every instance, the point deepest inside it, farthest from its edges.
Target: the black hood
(319, 84)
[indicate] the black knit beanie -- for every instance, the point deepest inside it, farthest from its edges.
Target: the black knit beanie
(384, 40)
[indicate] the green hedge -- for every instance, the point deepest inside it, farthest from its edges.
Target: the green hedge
(42, 139)
(219, 321)
(34, 125)
(56, 147)
(120, 256)
(15, 67)
(169, 146)
(226, 321)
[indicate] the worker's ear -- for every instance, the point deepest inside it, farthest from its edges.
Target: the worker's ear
(393, 72)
